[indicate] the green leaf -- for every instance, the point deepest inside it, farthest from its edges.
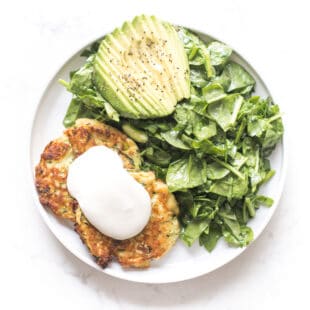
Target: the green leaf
(272, 136)
(230, 187)
(198, 77)
(152, 127)
(225, 111)
(213, 92)
(186, 173)
(256, 127)
(192, 123)
(81, 85)
(172, 138)
(193, 230)
(210, 240)
(235, 78)
(207, 62)
(265, 201)
(243, 239)
(78, 110)
(231, 221)
(185, 199)
(204, 129)
(219, 53)
(238, 160)
(206, 146)
(73, 112)
(234, 170)
(250, 206)
(216, 171)
(250, 149)
(91, 50)
(197, 52)
(157, 155)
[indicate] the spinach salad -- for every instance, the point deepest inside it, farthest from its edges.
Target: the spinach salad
(212, 151)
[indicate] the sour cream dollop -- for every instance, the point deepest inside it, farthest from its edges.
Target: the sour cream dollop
(111, 199)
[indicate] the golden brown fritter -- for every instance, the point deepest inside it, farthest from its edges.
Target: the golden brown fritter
(99, 245)
(51, 178)
(160, 233)
(51, 172)
(154, 241)
(162, 229)
(87, 133)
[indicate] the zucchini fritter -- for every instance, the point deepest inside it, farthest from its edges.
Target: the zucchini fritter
(51, 178)
(154, 241)
(51, 172)
(160, 233)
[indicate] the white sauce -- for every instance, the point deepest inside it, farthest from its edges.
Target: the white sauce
(111, 199)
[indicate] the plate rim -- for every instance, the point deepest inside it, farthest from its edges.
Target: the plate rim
(109, 272)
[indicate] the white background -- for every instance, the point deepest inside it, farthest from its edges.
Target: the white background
(36, 272)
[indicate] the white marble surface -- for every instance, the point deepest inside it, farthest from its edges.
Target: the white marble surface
(36, 272)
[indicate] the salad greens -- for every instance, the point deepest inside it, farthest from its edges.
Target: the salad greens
(212, 151)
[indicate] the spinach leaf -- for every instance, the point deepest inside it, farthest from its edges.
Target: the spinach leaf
(263, 200)
(157, 155)
(198, 77)
(74, 110)
(225, 111)
(210, 239)
(186, 173)
(230, 220)
(185, 199)
(91, 50)
(204, 129)
(272, 136)
(219, 53)
(193, 123)
(230, 187)
(206, 146)
(257, 126)
(172, 138)
(216, 171)
(197, 52)
(213, 92)
(235, 78)
(77, 110)
(193, 230)
(243, 239)
(81, 85)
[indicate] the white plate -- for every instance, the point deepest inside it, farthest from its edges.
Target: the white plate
(180, 263)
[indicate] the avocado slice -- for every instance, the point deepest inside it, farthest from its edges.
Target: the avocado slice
(142, 68)
(148, 73)
(114, 72)
(113, 58)
(146, 93)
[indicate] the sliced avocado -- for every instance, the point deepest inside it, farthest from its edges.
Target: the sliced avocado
(116, 72)
(146, 92)
(164, 75)
(148, 73)
(184, 61)
(134, 133)
(117, 68)
(142, 68)
(172, 67)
